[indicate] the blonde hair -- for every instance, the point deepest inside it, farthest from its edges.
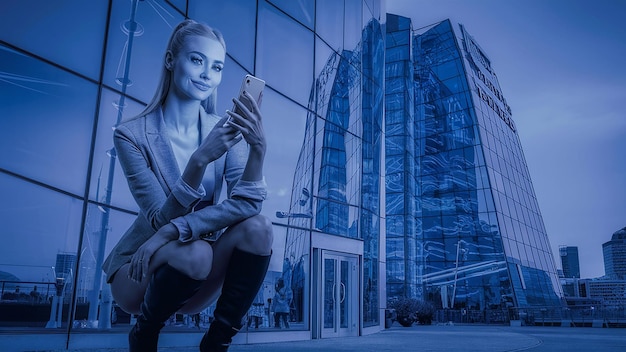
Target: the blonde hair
(184, 30)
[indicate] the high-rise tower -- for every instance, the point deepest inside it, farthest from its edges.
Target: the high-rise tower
(463, 224)
(615, 256)
(569, 261)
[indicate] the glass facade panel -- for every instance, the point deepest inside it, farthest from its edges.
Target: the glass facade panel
(352, 26)
(47, 121)
(31, 25)
(237, 22)
(138, 35)
(44, 225)
(301, 10)
(329, 22)
(104, 226)
(103, 160)
(283, 154)
(276, 34)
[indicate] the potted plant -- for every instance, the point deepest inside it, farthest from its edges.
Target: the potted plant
(405, 309)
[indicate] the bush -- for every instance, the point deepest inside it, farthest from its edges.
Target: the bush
(406, 309)
(425, 312)
(411, 310)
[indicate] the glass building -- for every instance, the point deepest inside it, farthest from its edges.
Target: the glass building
(71, 71)
(463, 228)
(569, 261)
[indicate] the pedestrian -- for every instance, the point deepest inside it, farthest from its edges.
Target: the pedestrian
(186, 249)
(281, 305)
(256, 312)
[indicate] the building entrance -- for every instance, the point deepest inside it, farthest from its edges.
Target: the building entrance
(340, 295)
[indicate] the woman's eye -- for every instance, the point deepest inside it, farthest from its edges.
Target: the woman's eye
(196, 60)
(218, 68)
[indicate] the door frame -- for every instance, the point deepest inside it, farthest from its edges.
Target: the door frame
(337, 245)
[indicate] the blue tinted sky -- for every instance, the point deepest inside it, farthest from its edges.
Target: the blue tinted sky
(560, 67)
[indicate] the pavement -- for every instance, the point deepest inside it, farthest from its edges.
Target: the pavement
(466, 338)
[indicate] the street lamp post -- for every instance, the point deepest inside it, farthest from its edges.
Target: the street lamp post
(456, 271)
(56, 310)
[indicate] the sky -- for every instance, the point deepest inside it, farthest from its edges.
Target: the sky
(560, 65)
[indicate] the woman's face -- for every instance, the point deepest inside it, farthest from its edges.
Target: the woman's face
(197, 69)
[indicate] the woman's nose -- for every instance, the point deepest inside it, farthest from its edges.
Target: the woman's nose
(206, 73)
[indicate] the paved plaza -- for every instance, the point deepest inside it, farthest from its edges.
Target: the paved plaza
(467, 338)
(462, 338)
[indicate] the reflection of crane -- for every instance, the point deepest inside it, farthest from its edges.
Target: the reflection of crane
(456, 269)
(131, 29)
(287, 215)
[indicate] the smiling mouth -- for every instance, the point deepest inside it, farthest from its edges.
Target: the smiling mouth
(201, 86)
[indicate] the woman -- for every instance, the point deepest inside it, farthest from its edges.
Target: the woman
(185, 249)
(281, 305)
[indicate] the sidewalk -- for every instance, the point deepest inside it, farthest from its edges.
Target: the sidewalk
(466, 338)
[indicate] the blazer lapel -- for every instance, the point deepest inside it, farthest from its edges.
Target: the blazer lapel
(161, 149)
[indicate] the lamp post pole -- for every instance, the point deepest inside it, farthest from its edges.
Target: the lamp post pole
(105, 303)
(456, 272)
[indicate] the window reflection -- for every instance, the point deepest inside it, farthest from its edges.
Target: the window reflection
(302, 10)
(287, 155)
(145, 42)
(279, 38)
(32, 25)
(352, 26)
(103, 229)
(47, 121)
(329, 22)
(100, 178)
(44, 227)
(237, 22)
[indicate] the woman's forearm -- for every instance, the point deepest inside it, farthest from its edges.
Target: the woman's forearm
(194, 171)
(253, 170)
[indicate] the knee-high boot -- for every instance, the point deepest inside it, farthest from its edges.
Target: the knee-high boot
(168, 290)
(244, 277)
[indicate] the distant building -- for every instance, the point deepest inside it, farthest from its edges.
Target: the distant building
(615, 256)
(65, 264)
(569, 261)
(65, 269)
(610, 293)
(569, 286)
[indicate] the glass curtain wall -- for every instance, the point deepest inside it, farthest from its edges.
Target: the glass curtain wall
(479, 212)
(462, 256)
(400, 168)
(65, 200)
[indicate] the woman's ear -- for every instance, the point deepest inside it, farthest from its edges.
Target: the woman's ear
(169, 60)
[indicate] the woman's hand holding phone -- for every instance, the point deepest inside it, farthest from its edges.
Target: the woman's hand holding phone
(248, 120)
(246, 113)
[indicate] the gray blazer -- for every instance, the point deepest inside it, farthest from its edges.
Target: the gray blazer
(145, 154)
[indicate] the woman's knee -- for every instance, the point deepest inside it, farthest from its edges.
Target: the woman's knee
(258, 232)
(195, 260)
(127, 293)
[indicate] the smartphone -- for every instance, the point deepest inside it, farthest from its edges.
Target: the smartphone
(252, 85)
